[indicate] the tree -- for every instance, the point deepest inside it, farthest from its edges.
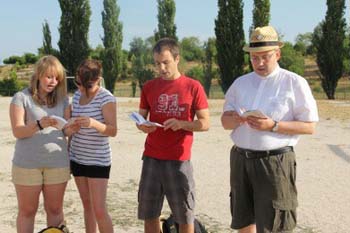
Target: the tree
(112, 41)
(96, 53)
(166, 18)
(330, 46)
(261, 18)
(347, 53)
(30, 58)
(139, 66)
(191, 49)
(261, 13)
(27, 58)
(47, 46)
(197, 73)
(137, 47)
(292, 59)
(15, 60)
(209, 61)
(74, 28)
(229, 41)
(303, 43)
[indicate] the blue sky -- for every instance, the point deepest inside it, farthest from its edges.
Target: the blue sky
(21, 20)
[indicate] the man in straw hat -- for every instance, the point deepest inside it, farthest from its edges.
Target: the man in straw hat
(263, 191)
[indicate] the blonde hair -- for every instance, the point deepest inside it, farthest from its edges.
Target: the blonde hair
(43, 65)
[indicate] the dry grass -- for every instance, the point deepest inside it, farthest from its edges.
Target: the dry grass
(333, 109)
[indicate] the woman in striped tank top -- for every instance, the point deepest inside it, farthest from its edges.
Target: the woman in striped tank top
(94, 115)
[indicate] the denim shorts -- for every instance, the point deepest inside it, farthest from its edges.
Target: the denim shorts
(173, 179)
(263, 192)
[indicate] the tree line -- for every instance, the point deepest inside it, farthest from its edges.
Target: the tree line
(219, 57)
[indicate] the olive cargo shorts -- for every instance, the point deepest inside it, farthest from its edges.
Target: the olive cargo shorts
(263, 192)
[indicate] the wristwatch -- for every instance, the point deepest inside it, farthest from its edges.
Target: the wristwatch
(275, 127)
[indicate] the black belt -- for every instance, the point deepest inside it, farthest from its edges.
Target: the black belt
(257, 154)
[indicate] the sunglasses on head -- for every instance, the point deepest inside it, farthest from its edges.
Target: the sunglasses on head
(78, 84)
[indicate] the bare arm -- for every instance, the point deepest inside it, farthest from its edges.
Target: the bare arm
(284, 127)
(145, 128)
(199, 124)
(296, 127)
(109, 128)
(231, 120)
(20, 129)
(71, 128)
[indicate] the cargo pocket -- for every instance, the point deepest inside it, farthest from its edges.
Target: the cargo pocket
(190, 200)
(231, 204)
(285, 216)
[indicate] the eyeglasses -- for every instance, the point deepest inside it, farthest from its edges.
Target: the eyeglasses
(264, 58)
(78, 84)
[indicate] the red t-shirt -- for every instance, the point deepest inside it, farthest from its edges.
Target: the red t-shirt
(165, 99)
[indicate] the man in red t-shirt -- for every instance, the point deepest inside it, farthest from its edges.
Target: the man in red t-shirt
(174, 101)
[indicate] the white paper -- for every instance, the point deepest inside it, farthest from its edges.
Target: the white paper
(61, 122)
(135, 116)
(255, 113)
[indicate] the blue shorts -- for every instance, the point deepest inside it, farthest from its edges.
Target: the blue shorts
(173, 179)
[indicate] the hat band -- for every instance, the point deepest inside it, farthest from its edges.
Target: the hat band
(265, 43)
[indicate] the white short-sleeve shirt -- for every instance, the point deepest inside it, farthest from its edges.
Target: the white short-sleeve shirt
(282, 96)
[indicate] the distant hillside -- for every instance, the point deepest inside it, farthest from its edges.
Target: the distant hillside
(22, 73)
(311, 69)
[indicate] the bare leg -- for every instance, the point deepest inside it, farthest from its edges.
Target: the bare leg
(89, 216)
(248, 229)
(152, 225)
(53, 203)
(28, 201)
(98, 194)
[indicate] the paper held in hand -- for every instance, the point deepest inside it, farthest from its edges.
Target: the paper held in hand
(142, 121)
(61, 122)
(255, 113)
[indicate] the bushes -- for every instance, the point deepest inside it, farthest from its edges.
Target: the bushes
(292, 60)
(27, 58)
(196, 73)
(9, 86)
(191, 49)
(14, 60)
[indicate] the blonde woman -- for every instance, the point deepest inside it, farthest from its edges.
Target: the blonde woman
(40, 162)
(94, 113)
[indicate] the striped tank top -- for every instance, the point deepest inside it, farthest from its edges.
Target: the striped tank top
(88, 146)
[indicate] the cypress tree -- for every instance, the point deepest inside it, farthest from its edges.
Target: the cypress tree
(330, 46)
(166, 19)
(47, 46)
(229, 41)
(112, 41)
(261, 13)
(74, 28)
(209, 61)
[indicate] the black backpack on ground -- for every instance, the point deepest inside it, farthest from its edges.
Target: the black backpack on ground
(168, 225)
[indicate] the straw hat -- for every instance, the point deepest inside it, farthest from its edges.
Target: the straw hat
(263, 39)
